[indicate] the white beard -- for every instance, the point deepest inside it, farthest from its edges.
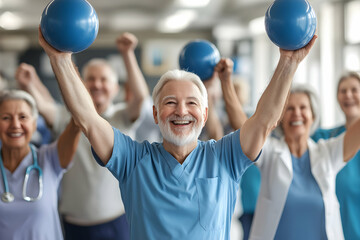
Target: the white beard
(179, 139)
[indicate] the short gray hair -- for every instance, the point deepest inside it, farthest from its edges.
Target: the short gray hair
(314, 104)
(180, 75)
(100, 62)
(346, 76)
(20, 95)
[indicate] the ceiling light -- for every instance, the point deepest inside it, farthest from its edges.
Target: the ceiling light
(130, 20)
(10, 21)
(193, 3)
(177, 22)
(229, 31)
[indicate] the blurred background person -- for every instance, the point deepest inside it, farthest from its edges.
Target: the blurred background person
(347, 180)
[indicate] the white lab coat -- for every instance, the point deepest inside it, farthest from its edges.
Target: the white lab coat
(326, 160)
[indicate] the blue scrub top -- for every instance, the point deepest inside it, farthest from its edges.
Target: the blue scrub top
(167, 200)
(347, 187)
(303, 216)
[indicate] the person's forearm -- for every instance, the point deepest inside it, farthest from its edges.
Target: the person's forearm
(269, 109)
(136, 83)
(75, 95)
(213, 124)
(45, 103)
(136, 80)
(46, 95)
(272, 101)
(67, 143)
(234, 110)
(271, 104)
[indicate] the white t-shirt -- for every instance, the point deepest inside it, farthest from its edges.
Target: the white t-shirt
(146, 128)
(89, 193)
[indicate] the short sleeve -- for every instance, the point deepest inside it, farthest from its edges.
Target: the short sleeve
(232, 156)
(125, 155)
(49, 154)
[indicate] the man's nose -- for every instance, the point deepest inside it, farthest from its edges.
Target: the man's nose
(96, 83)
(181, 109)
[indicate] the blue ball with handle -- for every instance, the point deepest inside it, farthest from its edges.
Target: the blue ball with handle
(199, 57)
(290, 24)
(69, 25)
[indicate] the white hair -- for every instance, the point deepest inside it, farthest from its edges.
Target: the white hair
(100, 62)
(180, 75)
(314, 104)
(20, 95)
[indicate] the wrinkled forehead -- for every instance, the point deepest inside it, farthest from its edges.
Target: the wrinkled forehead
(349, 82)
(96, 71)
(299, 97)
(179, 89)
(179, 98)
(15, 104)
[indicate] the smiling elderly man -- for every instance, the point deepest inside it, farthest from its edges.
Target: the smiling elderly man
(182, 188)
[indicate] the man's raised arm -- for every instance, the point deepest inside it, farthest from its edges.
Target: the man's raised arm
(78, 101)
(270, 106)
(136, 85)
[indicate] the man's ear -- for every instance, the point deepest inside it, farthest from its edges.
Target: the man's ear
(155, 115)
(205, 115)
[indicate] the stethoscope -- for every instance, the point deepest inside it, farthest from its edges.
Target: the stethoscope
(7, 196)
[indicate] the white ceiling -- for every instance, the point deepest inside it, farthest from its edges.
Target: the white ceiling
(142, 14)
(139, 16)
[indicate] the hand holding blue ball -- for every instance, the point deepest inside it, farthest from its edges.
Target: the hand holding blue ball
(290, 24)
(69, 25)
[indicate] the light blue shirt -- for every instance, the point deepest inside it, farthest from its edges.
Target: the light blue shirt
(303, 216)
(38, 220)
(347, 187)
(167, 200)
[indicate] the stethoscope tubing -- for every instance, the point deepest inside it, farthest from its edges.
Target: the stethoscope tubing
(6, 186)
(35, 166)
(7, 196)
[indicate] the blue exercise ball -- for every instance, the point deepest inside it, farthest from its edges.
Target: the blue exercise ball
(69, 25)
(290, 24)
(199, 57)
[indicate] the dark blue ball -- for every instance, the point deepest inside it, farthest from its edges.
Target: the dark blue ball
(199, 57)
(290, 24)
(69, 25)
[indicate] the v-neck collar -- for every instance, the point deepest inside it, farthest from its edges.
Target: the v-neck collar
(19, 171)
(175, 167)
